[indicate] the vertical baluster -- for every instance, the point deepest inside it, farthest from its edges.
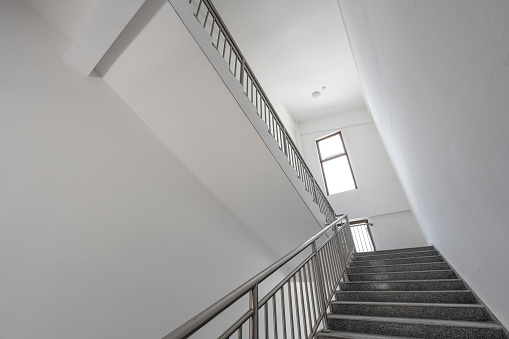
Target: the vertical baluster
(212, 27)
(198, 10)
(240, 332)
(266, 319)
(242, 62)
(206, 18)
(283, 312)
(290, 305)
(308, 303)
(314, 297)
(224, 49)
(297, 313)
(320, 283)
(274, 316)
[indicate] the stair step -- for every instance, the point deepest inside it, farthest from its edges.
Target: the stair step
(410, 275)
(353, 335)
(411, 260)
(399, 268)
(396, 255)
(413, 310)
(404, 285)
(421, 328)
(442, 297)
(397, 250)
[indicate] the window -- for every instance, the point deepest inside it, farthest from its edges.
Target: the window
(336, 169)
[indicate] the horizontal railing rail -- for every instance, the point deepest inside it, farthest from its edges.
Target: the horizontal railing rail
(224, 43)
(295, 306)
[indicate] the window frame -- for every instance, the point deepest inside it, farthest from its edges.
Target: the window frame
(335, 156)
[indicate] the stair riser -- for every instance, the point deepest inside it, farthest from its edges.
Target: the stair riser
(403, 276)
(449, 297)
(431, 285)
(399, 268)
(423, 312)
(395, 255)
(396, 261)
(400, 250)
(417, 330)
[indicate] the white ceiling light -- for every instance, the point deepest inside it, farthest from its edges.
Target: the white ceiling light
(316, 94)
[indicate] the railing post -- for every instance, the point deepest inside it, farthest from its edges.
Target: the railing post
(254, 323)
(319, 278)
(342, 255)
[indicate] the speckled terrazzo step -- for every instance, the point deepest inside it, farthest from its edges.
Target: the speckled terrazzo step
(411, 260)
(460, 312)
(398, 250)
(399, 268)
(442, 297)
(403, 285)
(410, 275)
(396, 255)
(419, 328)
(352, 335)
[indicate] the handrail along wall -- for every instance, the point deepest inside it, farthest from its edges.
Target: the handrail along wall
(297, 305)
(224, 43)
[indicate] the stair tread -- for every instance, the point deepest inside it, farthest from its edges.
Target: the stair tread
(417, 321)
(396, 250)
(381, 254)
(401, 272)
(387, 259)
(354, 335)
(425, 291)
(412, 264)
(386, 303)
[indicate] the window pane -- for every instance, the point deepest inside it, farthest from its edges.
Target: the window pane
(331, 146)
(338, 175)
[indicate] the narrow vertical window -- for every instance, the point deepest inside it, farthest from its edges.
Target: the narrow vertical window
(336, 168)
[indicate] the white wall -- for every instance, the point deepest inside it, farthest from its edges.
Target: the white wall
(104, 232)
(379, 190)
(435, 76)
(214, 129)
(389, 229)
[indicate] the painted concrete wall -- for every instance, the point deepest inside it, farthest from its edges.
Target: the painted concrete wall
(104, 232)
(436, 76)
(389, 229)
(379, 191)
(214, 129)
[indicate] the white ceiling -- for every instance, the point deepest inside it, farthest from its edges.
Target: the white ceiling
(295, 47)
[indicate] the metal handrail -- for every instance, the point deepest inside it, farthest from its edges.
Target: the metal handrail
(328, 264)
(224, 43)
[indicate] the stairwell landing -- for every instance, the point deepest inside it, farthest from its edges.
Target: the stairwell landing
(407, 293)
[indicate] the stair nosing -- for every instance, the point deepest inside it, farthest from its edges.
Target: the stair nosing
(418, 321)
(389, 281)
(425, 291)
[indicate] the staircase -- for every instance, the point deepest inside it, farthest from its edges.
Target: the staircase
(410, 293)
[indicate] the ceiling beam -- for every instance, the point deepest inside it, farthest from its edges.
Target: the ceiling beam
(107, 20)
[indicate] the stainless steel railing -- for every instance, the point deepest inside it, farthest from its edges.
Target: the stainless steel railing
(362, 236)
(294, 307)
(224, 43)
